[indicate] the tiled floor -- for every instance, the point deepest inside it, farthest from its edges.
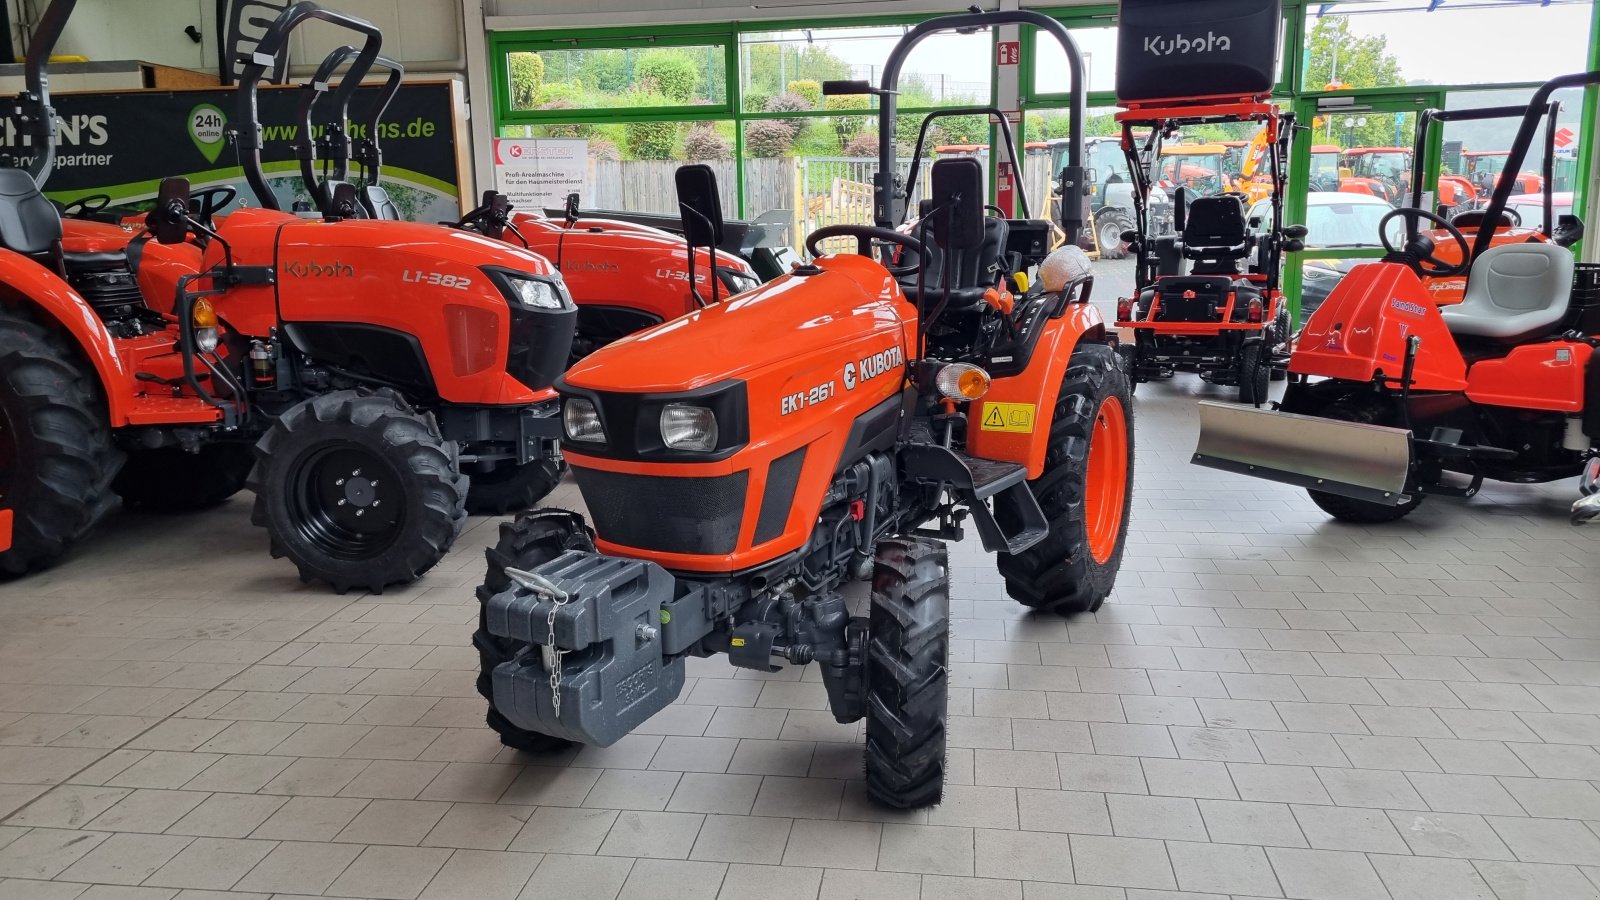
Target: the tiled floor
(1272, 706)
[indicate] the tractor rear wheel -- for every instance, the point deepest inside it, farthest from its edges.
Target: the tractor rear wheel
(907, 689)
(1253, 372)
(1085, 490)
(1349, 509)
(358, 490)
(170, 479)
(1109, 225)
(531, 540)
(511, 488)
(57, 458)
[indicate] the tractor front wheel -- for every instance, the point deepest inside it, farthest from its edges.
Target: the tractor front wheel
(358, 490)
(532, 540)
(908, 690)
(1085, 490)
(170, 479)
(1253, 372)
(57, 458)
(509, 487)
(1349, 509)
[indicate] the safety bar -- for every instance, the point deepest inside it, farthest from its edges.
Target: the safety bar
(1420, 149)
(336, 137)
(33, 108)
(1005, 134)
(249, 132)
(889, 207)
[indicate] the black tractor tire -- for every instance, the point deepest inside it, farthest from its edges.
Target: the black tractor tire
(57, 458)
(169, 479)
(511, 488)
(1128, 356)
(532, 539)
(1280, 335)
(1253, 373)
(1062, 573)
(337, 456)
(907, 662)
(1109, 224)
(1349, 509)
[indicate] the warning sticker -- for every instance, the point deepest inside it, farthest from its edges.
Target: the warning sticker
(1014, 417)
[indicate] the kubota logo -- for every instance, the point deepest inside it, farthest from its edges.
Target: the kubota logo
(333, 269)
(1156, 45)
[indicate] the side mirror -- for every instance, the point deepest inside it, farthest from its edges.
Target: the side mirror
(1180, 208)
(169, 220)
(572, 207)
(1091, 176)
(1293, 245)
(846, 88)
(957, 195)
(700, 205)
(1294, 232)
(1569, 230)
(345, 204)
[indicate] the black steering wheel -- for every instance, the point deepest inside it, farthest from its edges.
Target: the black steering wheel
(1419, 248)
(86, 206)
(866, 236)
(210, 201)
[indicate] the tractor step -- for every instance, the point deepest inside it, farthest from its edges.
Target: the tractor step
(1003, 505)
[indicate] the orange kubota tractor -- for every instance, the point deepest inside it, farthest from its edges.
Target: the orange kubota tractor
(743, 463)
(1393, 398)
(372, 364)
(1207, 299)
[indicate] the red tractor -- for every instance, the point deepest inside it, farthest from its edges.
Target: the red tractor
(1207, 299)
(372, 365)
(743, 463)
(1393, 398)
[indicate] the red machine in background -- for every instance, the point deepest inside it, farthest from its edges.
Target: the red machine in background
(1393, 398)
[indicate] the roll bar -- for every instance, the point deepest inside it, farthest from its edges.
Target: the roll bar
(335, 140)
(889, 201)
(33, 107)
(248, 129)
(1536, 111)
(1420, 149)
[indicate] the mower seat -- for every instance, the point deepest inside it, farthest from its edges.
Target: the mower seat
(377, 203)
(1515, 292)
(1216, 235)
(29, 223)
(972, 270)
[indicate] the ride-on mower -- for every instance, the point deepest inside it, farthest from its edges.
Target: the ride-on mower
(1390, 394)
(369, 362)
(743, 463)
(1221, 315)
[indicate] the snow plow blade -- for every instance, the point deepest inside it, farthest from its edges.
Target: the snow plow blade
(1364, 462)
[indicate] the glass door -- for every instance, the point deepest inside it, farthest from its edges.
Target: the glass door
(1350, 164)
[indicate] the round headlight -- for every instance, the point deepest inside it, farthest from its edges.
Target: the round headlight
(686, 427)
(206, 339)
(582, 421)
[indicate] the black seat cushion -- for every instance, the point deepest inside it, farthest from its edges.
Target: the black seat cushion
(972, 270)
(29, 223)
(1216, 234)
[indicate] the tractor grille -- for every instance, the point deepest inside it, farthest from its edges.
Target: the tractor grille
(699, 516)
(110, 289)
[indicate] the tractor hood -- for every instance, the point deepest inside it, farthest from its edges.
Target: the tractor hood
(788, 322)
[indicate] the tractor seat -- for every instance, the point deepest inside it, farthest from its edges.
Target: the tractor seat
(972, 270)
(1515, 292)
(29, 223)
(1216, 235)
(377, 203)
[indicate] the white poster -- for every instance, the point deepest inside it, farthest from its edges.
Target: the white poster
(536, 173)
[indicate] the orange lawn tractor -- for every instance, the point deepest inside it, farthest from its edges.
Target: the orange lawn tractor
(1207, 299)
(1393, 398)
(743, 463)
(371, 364)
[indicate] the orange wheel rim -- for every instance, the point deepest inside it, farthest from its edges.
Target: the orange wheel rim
(1106, 485)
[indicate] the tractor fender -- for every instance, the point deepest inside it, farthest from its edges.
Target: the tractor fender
(1012, 421)
(29, 284)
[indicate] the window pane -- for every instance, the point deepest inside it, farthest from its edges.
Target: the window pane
(803, 173)
(1099, 49)
(1385, 43)
(636, 78)
(620, 179)
(783, 71)
(1475, 152)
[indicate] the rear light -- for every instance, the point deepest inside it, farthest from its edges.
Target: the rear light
(1125, 310)
(1256, 310)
